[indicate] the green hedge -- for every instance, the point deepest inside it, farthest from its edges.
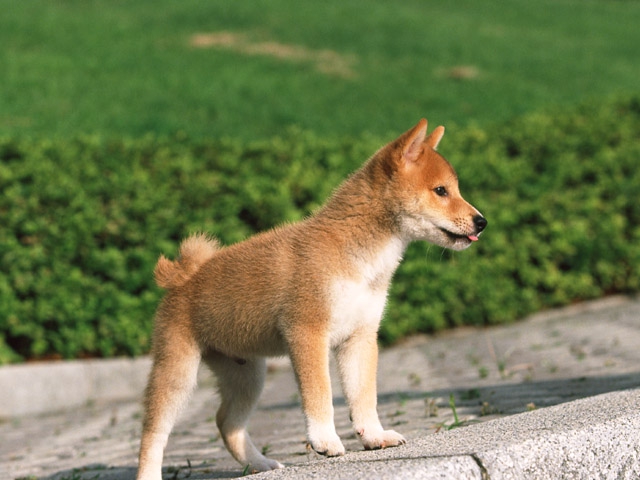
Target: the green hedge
(83, 222)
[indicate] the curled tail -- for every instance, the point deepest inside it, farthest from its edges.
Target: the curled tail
(194, 251)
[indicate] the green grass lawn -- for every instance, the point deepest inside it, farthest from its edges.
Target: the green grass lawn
(250, 69)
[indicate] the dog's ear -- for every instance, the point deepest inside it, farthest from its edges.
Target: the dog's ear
(413, 144)
(434, 137)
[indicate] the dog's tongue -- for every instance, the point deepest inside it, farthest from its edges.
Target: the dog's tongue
(473, 238)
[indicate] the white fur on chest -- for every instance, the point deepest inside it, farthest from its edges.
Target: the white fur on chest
(359, 300)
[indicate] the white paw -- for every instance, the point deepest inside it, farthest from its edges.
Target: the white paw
(328, 447)
(263, 465)
(376, 439)
(325, 440)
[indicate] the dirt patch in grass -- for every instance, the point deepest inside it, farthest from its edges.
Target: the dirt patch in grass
(460, 72)
(328, 62)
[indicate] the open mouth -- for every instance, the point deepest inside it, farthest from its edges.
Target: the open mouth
(456, 236)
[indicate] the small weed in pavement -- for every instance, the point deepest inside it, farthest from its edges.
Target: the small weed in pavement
(456, 420)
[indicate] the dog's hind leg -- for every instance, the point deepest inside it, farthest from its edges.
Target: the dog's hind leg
(240, 383)
(172, 379)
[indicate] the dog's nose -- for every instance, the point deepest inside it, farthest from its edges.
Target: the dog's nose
(480, 222)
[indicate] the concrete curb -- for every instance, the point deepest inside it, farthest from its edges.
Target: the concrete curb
(32, 389)
(50, 387)
(590, 438)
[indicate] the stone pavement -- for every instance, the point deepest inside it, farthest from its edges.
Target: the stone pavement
(553, 396)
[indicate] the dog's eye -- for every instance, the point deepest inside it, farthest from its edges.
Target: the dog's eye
(440, 191)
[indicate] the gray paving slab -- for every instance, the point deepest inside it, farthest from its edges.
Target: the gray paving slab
(589, 438)
(552, 396)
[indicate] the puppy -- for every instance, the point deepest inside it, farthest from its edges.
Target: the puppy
(302, 290)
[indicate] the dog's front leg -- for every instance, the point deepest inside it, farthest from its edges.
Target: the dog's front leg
(309, 350)
(357, 359)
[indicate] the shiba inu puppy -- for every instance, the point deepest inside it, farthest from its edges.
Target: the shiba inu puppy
(302, 290)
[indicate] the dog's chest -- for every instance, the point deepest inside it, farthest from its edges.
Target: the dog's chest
(359, 300)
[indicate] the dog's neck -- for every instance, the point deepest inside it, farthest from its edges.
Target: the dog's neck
(361, 224)
(358, 205)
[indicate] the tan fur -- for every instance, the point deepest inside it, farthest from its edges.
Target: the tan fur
(304, 290)
(194, 251)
